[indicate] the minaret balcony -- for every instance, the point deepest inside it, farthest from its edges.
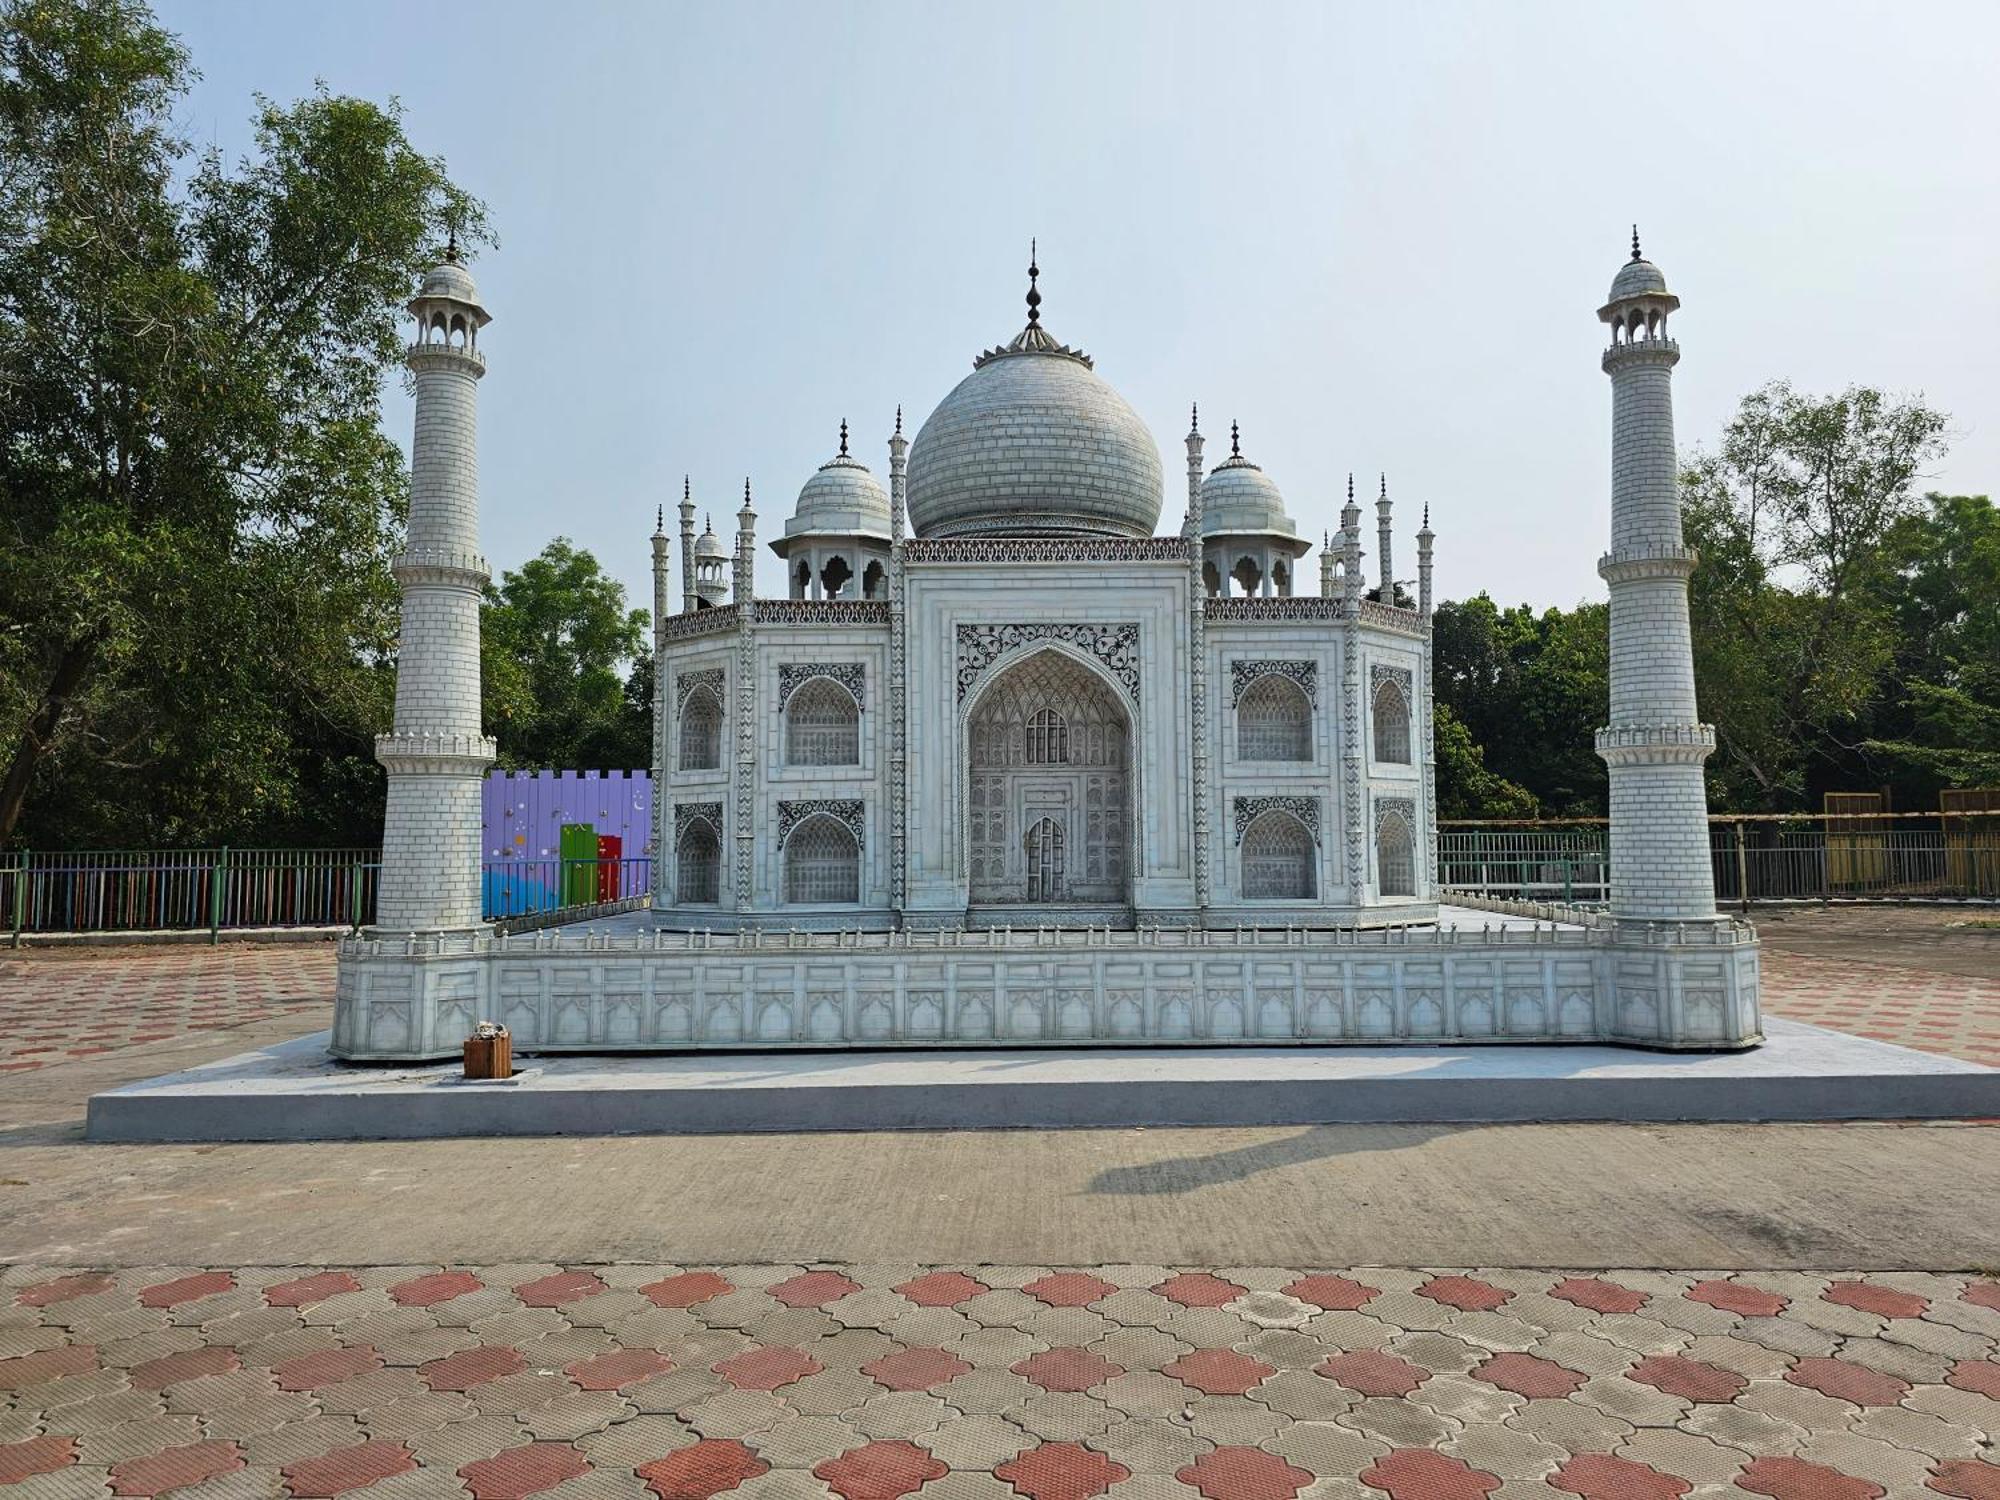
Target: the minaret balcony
(423, 753)
(1656, 744)
(439, 565)
(422, 357)
(1627, 563)
(1664, 352)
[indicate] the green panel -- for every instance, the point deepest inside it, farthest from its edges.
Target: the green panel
(578, 847)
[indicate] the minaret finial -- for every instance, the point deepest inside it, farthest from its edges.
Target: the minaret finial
(451, 243)
(1194, 416)
(1427, 515)
(1350, 486)
(1235, 441)
(1635, 242)
(1383, 493)
(746, 491)
(1034, 295)
(687, 488)
(899, 419)
(660, 521)
(843, 443)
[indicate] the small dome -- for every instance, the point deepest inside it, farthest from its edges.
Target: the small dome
(1239, 498)
(709, 544)
(450, 279)
(842, 499)
(1637, 278)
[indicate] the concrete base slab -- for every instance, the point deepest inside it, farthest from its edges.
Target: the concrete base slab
(294, 1091)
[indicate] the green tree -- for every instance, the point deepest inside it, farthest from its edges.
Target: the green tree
(557, 635)
(199, 501)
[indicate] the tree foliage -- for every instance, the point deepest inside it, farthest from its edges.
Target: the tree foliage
(197, 501)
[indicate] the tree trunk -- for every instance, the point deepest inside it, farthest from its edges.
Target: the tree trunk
(39, 732)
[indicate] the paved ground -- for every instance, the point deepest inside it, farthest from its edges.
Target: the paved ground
(873, 1382)
(772, 1374)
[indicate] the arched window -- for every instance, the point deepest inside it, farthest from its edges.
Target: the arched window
(822, 863)
(874, 582)
(1048, 738)
(1392, 723)
(698, 865)
(701, 732)
(833, 577)
(1247, 575)
(1045, 850)
(1210, 579)
(1395, 858)
(1277, 859)
(822, 726)
(1273, 721)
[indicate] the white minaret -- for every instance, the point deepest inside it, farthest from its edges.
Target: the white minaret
(1385, 536)
(660, 581)
(689, 595)
(1655, 743)
(437, 757)
(1424, 539)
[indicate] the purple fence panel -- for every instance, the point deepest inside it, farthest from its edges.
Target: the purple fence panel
(525, 811)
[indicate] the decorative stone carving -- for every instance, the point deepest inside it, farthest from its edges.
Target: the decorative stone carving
(1243, 673)
(847, 809)
(688, 812)
(686, 682)
(1379, 673)
(699, 622)
(794, 675)
(822, 612)
(1405, 806)
(1305, 809)
(1046, 549)
(1116, 646)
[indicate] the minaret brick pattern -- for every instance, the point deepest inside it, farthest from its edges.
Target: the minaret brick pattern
(1655, 743)
(437, 757)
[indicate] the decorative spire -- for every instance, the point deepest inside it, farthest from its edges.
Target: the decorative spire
(1235, 441)
(1350, 486)
(1034, 295)
(1427, 515)
(899, 419)
(746, 491)
(708, 523)
(1384, 492)
(843, 453)
(660, 522)
(687, 489)
(1635, 242)
(451, 243)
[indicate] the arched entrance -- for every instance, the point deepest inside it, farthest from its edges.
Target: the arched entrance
(1049, 786)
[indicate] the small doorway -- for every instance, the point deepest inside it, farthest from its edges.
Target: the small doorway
(1045, 851)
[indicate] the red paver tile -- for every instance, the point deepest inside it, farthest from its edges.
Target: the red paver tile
(1966, 1478)
(1982, 1293)
(346, 1469)
(1419, 1474)
(885, 1470)
(174, 1468)
(527, 1470)
(1880, 1300)
(814, 1289)
(1334, 1293)
(1235, 1473)
(310, 1289)
(942, 1289)
(1605, 1476)
(42, 1455)
(186, 1289)
(767, 1368)
(1464, 1292)
(915, 1369)
(618, 1369)
(1061, 1471)
(555, 1291)
(1067, 1369)
(439, 1286)
(1795, 1479)
(1692, 1379)
(62, 1289)
(1734, 1296)
(47, 1364)
(1069, 1289)
(188, 1364)
(1981, 1375)
(325, 1367)
(1597, 1294)
(1530, 1375)
(1373, 1373)
(686, 1289)
(701, 1470)
(470, 1367)
(1850, 1382)
(1199, 1289)
(1220, 1372)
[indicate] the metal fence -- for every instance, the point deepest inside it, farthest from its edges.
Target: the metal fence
(1757, 858)
(183, 890)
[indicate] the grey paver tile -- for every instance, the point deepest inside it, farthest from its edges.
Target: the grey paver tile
(1150, 1445)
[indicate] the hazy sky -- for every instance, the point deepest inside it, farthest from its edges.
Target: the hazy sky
(1377, 235)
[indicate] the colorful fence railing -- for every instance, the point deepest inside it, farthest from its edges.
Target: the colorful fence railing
(216, 890)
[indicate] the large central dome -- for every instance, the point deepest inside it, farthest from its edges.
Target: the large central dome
(1034, 443)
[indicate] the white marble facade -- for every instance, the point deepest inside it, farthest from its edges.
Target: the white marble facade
(1037, 724)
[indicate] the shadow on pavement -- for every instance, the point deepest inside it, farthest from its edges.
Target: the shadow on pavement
(1317, 1143)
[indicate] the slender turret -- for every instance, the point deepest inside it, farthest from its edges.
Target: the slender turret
(660, 580)
(1385, 537)
(1350, 546)
(1424, 538)
(1655, 743)
(1325, 565)
(1193, 532)
(436, 757)
(690, 591)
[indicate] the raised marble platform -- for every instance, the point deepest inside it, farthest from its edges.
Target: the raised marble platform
(296, 1092)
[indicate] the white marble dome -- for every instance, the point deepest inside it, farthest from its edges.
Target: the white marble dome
(842, 499)
(1637, 278)
(1034, 443)
(1238, 498)
(709, 544)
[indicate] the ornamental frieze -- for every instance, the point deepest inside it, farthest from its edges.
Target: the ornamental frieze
(793, 675)
(1403, 807)
(1116, 646)
(847, 809)
(1243, 673)
(1305, 809)
(686, 682)
(1379, 674)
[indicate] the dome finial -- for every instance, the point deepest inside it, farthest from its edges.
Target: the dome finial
(687, 488)
(899, 419)
(1350, 486)
(1427, 515)
(1034, 295)
(1635, 242)
(843, 446)
(451, 243)
(1194, 417)
(1235, 440)
(1383, 494)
